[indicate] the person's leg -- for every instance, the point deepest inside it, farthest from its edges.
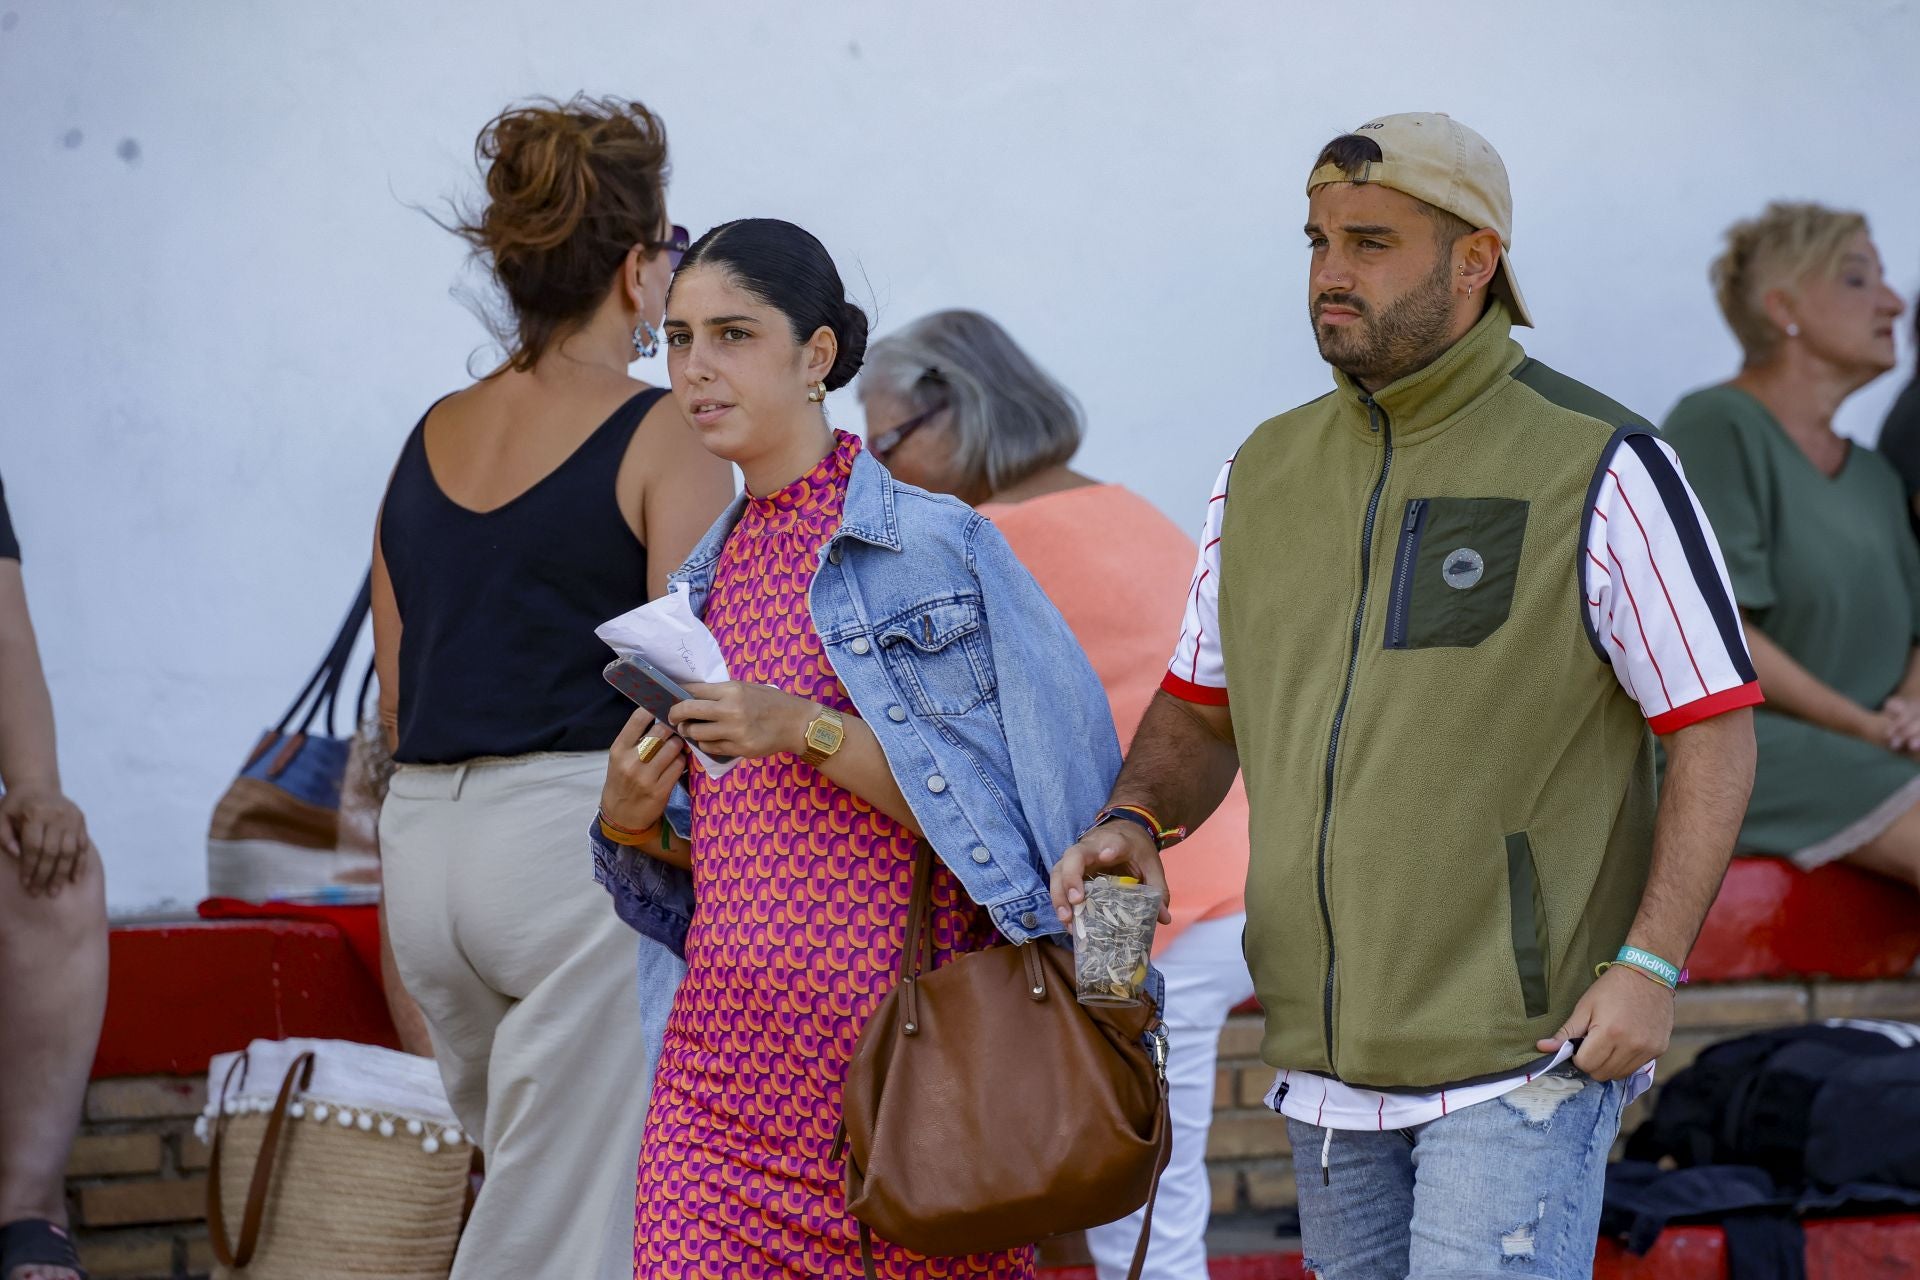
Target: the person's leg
(53, 995)
(427, 842)
(1511, 1187)
(1895, 852)
(1206, 976)
(408, 1021)
(570, 1069)
(1356, 1214)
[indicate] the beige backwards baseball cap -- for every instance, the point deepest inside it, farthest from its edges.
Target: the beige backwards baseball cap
(1433, 157)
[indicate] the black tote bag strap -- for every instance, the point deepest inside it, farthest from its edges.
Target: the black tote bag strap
(322, 692)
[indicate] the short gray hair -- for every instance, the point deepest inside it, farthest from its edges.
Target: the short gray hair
(1010, 419)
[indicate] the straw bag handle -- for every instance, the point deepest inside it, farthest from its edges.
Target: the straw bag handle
(300, 1075)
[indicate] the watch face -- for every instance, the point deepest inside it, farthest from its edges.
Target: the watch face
(824, 735)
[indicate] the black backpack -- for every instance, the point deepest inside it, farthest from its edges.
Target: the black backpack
(1808, 1104)
(1865, 1126)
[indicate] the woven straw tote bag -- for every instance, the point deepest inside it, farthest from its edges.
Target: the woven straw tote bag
(335, 1161)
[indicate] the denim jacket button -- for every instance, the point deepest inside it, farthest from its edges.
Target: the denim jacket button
(982, 856)
(936, 784)
(1028, 920)
(833, 554)
(860, 644)
(896, 713)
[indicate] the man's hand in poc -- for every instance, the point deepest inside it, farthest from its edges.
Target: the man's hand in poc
(1624, 1021)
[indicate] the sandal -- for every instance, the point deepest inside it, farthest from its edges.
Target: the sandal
(36, 1242)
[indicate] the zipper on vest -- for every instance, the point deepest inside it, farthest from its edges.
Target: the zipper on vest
(1400, 599)
(1377, 419)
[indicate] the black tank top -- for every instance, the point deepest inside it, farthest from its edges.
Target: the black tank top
(497, 609)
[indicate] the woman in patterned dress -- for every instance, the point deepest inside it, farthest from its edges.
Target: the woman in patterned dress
(802, 851)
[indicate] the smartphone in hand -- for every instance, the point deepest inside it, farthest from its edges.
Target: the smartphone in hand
(646, 685)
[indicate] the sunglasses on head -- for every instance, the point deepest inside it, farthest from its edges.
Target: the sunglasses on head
(678, 240)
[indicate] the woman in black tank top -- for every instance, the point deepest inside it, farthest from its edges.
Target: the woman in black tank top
(555, 493)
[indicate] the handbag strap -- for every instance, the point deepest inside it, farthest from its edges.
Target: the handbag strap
(299, 1075)
(916, 949)
(322, 691)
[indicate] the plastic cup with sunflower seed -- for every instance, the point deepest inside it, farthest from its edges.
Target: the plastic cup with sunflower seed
(1113, 939)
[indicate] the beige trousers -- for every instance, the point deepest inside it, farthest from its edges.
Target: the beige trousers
(527, 978)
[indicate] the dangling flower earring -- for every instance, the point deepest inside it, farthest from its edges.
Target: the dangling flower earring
(817, 393)
(646, 340)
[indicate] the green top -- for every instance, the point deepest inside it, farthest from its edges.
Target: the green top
(1827, 568)
(1451, 795)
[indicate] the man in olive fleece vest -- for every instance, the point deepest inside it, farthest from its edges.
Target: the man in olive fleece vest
(1440, 613)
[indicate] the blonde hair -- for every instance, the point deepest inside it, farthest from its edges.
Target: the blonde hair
(1785, 244)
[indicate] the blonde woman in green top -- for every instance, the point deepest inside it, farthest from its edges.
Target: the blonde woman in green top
(1815, 534)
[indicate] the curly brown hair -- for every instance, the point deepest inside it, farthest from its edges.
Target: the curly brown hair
(571, 188)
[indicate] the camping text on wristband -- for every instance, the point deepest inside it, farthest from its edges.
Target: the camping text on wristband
(1666, 974)
(1139, 816)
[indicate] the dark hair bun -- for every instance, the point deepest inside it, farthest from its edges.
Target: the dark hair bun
(851, 332)
(571, 189)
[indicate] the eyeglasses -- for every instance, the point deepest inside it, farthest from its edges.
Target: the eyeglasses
(678, 240)
(887, 441)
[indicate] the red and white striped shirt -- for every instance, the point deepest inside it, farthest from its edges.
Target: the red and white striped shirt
(1658, 606)
(1657, 597)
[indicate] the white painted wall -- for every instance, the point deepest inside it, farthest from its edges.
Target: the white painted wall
(219, 314)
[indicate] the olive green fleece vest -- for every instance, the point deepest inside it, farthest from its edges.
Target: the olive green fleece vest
(1452, 797)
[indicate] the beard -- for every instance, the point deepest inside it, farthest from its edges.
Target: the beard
(1404, 336)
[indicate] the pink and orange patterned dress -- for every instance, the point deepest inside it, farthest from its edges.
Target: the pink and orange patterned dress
(802, 896)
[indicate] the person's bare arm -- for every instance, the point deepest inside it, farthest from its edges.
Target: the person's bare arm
(39, 826)
(386, 644)
(1180, 767)
(1626, 1018)
(683, 489)
(1793, 690)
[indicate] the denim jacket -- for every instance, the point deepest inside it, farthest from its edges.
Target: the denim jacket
(988, 712)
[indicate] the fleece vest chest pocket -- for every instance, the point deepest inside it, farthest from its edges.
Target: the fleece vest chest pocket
(937, 656)
(1454, 571)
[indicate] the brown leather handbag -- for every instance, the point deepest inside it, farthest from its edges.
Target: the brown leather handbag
(986, 1108)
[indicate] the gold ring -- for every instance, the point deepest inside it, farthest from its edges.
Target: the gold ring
(648, 747)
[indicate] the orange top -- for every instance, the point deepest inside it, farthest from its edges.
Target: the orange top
(1119, 571)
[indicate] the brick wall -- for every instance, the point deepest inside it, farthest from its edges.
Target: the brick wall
(137, 1182)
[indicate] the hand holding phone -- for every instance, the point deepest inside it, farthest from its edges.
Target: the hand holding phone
(647, 686)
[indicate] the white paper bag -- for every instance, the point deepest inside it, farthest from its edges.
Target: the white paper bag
(665, 633)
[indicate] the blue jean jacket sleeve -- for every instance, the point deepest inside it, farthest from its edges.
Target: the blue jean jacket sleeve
(1059, 726)
(651, 896)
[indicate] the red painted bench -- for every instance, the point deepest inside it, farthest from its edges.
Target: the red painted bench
(178, 994)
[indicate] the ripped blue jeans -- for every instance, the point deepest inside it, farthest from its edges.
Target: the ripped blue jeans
(1506, 1188)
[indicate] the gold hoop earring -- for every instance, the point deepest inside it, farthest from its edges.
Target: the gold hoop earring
(817, 392)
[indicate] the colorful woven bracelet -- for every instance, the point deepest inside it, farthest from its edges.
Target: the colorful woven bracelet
(1139, 816)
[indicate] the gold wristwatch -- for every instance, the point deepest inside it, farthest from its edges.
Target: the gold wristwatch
(825, 733)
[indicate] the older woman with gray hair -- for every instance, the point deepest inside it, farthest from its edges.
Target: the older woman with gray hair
(1814, 532)
(955, 406)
